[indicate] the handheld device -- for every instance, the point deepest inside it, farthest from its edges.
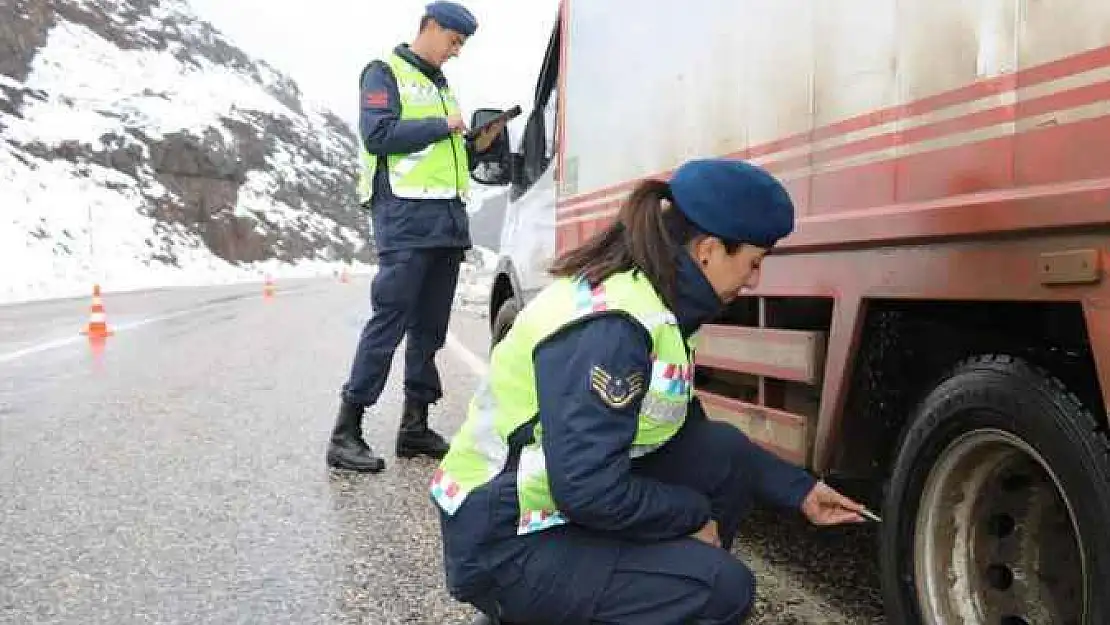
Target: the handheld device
(506, 116)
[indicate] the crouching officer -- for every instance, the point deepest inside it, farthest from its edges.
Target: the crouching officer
(587, 484)
(414, 179)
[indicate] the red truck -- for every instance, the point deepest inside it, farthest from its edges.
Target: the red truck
(935, 335)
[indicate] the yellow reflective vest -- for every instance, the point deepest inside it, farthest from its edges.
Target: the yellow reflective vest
(439, 171)
(507, 398)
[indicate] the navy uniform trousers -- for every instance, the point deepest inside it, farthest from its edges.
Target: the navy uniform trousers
(552, 577)
(412, 292)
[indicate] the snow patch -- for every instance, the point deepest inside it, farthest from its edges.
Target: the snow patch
(65, 226)
(95, 87)
(476, 280)
(74, 226)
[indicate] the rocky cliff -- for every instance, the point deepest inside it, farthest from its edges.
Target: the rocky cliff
(135, 140)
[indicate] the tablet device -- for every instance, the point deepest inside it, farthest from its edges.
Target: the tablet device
(507, 115)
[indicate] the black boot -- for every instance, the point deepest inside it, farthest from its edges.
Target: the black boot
(414, 437)
(347, 450)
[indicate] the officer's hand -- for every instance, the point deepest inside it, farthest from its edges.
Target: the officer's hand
(708, 534)
(489, 135)
(825, 506)
(456, 124)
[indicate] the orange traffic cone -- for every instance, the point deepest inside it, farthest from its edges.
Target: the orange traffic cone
(97, 346)
(98, 319)
(268, 288)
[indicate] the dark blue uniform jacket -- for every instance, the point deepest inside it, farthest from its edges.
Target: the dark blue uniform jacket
(586, 445)
(402, 223)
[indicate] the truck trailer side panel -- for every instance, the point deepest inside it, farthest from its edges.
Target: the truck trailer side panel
(887, 120)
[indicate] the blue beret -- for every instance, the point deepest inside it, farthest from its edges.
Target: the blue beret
(733, 201)
(453, 16)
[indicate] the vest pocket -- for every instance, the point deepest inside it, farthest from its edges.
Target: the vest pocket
(478, 539)
(467, 567)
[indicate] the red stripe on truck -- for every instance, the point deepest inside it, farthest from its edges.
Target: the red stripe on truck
(1055, 70)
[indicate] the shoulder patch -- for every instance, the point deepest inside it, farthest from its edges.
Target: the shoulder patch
(377, 99)
(616, 392)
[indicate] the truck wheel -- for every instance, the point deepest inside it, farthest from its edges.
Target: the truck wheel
(997, 505)
(503, 321)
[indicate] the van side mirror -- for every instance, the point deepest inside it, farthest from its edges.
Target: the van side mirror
(492, 167)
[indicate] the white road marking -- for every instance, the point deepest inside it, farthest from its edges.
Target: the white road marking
(79, 338)
(476, 364)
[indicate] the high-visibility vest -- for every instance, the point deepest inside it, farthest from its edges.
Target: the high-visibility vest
(506, 399)
(439, 171)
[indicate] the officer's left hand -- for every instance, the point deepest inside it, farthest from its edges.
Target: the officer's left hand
(825, 506)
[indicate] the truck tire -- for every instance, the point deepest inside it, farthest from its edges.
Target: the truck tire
(503, 321)
(997, 505)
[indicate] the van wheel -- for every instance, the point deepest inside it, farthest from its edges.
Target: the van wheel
(997, 504)
(503, 321)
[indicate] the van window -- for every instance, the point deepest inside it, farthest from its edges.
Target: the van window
(538, 144)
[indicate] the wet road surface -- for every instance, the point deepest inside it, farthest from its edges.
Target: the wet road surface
(176, 474)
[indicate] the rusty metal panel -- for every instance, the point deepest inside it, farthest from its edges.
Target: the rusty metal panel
(1054, 29)
(781, 433)
(929, 118)
(855, 75)
(854, 69)
(1063, 92)
(775, 77)
(957, 62)
(791, 355)
(946, 45)
(643, 95)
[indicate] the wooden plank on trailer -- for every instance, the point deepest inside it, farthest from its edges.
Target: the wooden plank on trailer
(791, 355)
(779, 432)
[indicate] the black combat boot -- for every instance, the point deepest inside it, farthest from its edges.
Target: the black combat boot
(414, 437)
(347, 450)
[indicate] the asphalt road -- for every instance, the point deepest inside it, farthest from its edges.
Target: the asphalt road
(176, 473)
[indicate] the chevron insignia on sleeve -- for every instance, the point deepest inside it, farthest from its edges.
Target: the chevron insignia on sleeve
(616, 392)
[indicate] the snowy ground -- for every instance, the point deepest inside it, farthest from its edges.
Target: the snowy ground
(475, 280)
(22, 284)
(65, 232)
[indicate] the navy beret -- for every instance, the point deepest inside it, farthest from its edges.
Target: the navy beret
(733, 201)
(452, 16)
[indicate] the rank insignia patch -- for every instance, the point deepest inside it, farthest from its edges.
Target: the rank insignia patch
(616, 392)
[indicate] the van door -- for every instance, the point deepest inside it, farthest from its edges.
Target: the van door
(528, 236)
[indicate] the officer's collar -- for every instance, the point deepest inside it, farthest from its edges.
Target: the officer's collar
(433, 73)
(696, 301)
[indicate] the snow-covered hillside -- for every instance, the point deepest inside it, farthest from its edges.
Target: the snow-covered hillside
(138, 147)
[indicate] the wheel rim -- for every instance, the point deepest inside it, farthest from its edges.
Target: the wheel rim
(996, 540)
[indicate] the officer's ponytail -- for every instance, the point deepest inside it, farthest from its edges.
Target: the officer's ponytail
(644, 237)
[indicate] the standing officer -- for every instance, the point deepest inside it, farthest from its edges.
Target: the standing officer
(414, 179)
